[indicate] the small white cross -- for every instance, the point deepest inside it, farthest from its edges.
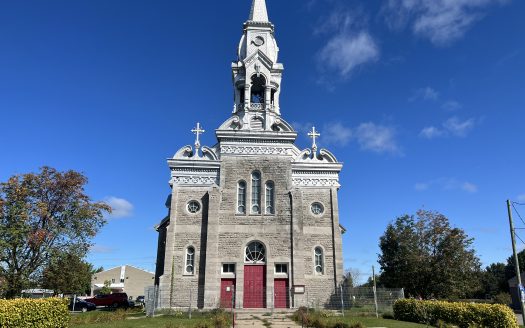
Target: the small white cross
(198, 131)
(314, 134)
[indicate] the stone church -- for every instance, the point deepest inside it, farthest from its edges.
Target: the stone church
(253, 220)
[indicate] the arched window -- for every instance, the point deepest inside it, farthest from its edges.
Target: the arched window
(241, 197)
(255, 253)
(190, 261)
(319, 263)
(270, 197)
(258, 89)
(256, 193)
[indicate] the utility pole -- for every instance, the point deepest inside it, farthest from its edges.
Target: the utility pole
(521, 292)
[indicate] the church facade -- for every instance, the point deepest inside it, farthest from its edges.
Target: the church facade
(253, 221)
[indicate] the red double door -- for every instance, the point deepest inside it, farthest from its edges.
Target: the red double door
(280, 289)
(227, 293)
(254, 286)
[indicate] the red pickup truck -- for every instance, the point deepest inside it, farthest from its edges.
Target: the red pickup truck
(114, 300)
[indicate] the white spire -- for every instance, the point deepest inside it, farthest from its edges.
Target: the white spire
(259, 12)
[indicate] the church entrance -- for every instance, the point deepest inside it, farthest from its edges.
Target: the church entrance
(280, 290)
(254, 286)
(227, 292)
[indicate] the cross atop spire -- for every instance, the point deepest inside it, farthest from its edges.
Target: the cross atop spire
(198, 131)
(314, 135)
(259, 13)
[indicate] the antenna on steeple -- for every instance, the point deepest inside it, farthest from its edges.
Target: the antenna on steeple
(259, 13)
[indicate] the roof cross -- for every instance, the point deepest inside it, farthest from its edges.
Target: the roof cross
(198, 131)
(314, 135)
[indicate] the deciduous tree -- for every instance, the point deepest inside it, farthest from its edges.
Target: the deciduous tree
(42, 214)
(68, 273)
(428, 257)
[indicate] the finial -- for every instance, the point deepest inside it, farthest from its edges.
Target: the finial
(314, 134)
(197, 131)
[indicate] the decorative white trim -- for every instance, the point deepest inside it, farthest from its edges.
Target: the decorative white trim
(315, 182)
(254, 150)
(195, 180)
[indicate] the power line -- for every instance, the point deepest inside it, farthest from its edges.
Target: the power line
(515, 234)
(514, 207)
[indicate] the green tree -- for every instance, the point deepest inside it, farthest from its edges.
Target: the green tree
(106, 290)
(427, 257)
(42, 214)
(510, 269)
(494, 281)
(68, 273)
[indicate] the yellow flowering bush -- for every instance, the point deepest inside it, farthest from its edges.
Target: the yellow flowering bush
(465, 315)
(36, 313)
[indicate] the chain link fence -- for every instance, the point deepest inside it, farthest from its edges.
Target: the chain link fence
(354, 301)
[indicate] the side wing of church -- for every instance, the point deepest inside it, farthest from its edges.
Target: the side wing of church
(253, 219)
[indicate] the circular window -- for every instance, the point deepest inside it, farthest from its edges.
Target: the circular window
(258, 41)
(194, 207)
(317, 208)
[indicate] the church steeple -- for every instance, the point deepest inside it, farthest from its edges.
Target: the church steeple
(258, 12)
(257, 74)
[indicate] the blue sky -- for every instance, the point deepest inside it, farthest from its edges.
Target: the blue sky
(422, 100)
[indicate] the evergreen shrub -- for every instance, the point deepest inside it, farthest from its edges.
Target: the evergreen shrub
(464, 315)
(35, 313)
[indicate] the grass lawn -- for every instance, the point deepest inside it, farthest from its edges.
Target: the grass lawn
(137, 320)
(374, 322)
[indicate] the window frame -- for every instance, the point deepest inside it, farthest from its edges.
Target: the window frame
(228, 273)
(319, 261)
(244, 195)
(263, 261)
(312, 209)
(269, 195)
(189, 261)
(256, 189)
(285, 265)
(188, 207)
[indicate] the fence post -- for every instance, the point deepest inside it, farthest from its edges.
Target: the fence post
(375, 292)
(155, 299)
(191, 299)
(402, 293)
(342, 302)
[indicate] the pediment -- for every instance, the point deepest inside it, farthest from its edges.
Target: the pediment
(260, 57)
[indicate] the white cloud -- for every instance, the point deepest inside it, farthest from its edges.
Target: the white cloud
(451, 106)
(345, 52)
(447, 184)
(349, 44)
(440, 21)
(369, 136)
(451, 127)
(121, 207)
(431, 132)
(335, 134)
(427, 93)
(469, 187)
(377, 138)
(459, 128)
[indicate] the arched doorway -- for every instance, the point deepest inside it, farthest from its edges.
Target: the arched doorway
(254, 276)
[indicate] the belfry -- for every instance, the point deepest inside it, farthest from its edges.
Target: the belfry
(253, 221)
